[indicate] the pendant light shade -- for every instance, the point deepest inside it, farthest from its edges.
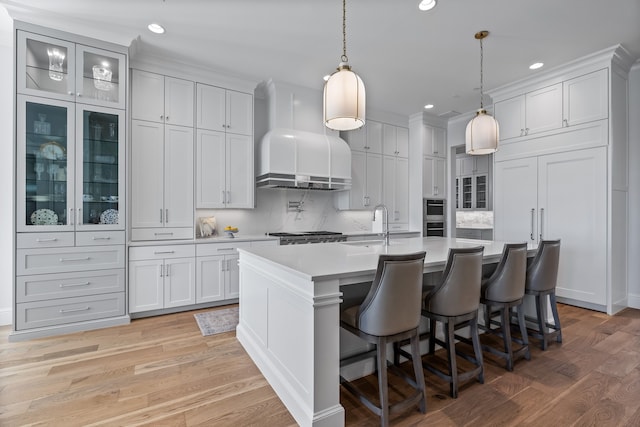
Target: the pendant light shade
(482, 133)
(344, 96)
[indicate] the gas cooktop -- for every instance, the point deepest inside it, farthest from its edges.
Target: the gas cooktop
(299, 237)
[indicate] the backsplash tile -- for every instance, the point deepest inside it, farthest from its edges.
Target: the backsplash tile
(470, 219)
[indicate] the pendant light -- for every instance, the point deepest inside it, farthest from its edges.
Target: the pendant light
(482, 131)
(344, 97)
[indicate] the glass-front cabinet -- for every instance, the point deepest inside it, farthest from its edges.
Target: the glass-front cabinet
(59, 69)
(70, 167)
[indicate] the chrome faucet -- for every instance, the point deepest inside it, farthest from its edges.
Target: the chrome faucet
(385, 222)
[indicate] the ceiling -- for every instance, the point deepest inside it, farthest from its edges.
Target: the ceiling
(406, 58)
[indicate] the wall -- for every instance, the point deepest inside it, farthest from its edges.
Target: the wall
(6, 169)
(272, 214)
(634, 186)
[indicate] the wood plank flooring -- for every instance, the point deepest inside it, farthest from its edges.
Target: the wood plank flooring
(161, 371)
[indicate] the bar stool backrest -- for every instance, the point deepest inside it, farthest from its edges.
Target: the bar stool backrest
(542, 274)
(459, 291)
(393, 303)
(507, 282)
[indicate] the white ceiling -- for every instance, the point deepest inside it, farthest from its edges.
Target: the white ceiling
(405, 57)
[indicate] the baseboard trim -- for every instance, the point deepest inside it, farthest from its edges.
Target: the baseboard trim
(633, 301)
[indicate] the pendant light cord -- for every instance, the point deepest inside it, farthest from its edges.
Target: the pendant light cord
(344, 32)
(481, 76)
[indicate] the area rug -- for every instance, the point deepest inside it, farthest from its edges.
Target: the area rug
(217, 321)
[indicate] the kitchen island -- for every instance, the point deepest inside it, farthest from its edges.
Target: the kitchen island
(290, 307)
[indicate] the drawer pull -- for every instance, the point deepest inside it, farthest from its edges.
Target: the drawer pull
(75, 259)
(163, 252)
(226, 249)
(53, 239)
(71, 285)
(163, 234)
(101, 238)
(73, 310)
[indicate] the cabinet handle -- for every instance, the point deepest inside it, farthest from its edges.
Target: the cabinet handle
(161, 117)
(161, 270)
(46, 240)
(565, 123)
(70, 93)
(526, 131)
(78, 94)
(162, 252)
(161, 221)
(75, 259)
(167, 118)
(166, 216)
(70, 217)
(226, 249)
(224, 126)
(223, 197)
(521, 132)
(74, 310)
(101, 238)
(71, 285)
(532, 223)
(79, 216)
(228, 196)
(541, 224)
(164, 234)
(435, 190)
(168, 272)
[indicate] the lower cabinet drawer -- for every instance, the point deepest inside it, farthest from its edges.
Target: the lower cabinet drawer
(161, 233)
(64, 285)
(44, 240)
(61, 260)
(99, 238)
(41, 314)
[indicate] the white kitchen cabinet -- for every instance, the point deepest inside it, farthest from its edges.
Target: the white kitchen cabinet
(162, 181)
(224, 170)
(585, 98)
(469, 165)
(395, 141)
(561, 196)
(161, 277)
(161, 99)
(434, 142)
(367, 138)
(217, 273)
(68, 71)
(366, 182)
(472, 182)
(434, 177)
(396, 189)
(224, 110)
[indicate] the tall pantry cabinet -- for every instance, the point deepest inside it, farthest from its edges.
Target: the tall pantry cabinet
(70, 183)
(566, 177)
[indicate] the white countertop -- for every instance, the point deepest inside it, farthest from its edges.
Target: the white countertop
(206, 240)
(474, 227)
(348, 259)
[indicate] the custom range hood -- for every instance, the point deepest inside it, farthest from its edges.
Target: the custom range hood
(298, 159)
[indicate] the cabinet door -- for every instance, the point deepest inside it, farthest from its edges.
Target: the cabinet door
(428, 184)
(515, 200)
(586, 98)
(179, 282)
(100, 176)
(45, 165)
(178, 176)
(146, 285)
(389, 136)
(232, 275)
(480, 191)
(374, 137)
(481, 165)
(440, 142)
(100, 77)
(147, 96)
(147, 174)
(239, 113)
(358, 192)
(239, 167)
(572, 201)
(210, 107)
(374, 179)
(210, 169)
(467, 165)
(401, 207)
(389, 184)
(440, 178)
(209, 279)
(357, 138)
(402, 142)
(45, 66)
(510, 116)
(543, 109)
(178, 101)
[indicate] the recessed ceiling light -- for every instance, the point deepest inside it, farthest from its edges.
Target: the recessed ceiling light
(427, 5)
(428, 106)
(156, 28)
(536, 65)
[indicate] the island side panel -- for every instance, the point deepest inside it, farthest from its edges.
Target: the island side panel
(289, 326)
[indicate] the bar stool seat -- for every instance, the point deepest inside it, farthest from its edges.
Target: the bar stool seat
(500, 293)
(389, 313)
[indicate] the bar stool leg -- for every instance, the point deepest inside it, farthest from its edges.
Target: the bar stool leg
(477, 348)
(523, 331)
(541, 322)
(417, 368)
(556, 318)
(506, 337)
(382, 381)
(432, 334)
(451, 353)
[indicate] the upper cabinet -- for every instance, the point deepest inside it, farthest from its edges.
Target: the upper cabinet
(435, 142)
(395, 141)
(60, 69)
(224, 110)
(569, 103)
(162, 99)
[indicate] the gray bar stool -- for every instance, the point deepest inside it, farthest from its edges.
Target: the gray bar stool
(455, 302)
(502, 291)
(389, 313)
(542, 276)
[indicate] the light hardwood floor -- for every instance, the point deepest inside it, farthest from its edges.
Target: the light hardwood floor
(162, 372)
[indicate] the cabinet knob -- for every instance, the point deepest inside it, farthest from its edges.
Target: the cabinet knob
(565, 123)
(167, 118)
(161, 117)
(78, 94)
(70, 93)
(526, 131)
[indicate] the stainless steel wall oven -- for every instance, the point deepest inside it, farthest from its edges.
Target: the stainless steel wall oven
(434, 217)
